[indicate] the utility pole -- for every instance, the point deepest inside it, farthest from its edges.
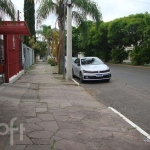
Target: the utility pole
(69, 41)
(64, 21)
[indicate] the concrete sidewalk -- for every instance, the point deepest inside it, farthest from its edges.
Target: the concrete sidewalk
(58, 115)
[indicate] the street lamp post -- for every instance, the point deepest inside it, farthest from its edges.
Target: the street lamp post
(69, 40)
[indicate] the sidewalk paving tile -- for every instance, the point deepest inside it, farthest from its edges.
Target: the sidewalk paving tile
(15, 147)
(38, 147)
(40, 134)
(46, 117)
(49, 126)
(26, 140)
(57, 112)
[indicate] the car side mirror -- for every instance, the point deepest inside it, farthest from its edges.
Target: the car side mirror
(78, 64)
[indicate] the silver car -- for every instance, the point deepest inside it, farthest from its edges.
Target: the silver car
(73, 58)
(90, 68)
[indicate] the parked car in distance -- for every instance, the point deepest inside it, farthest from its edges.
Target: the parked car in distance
(90, 68)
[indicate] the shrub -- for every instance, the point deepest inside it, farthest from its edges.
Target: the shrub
(140, 55)
(118, 55)
(51, 61)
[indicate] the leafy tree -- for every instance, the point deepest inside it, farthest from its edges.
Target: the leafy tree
(39, 46)
(46, 32)
(7, 9)
(141, 54)
(116, 33)
(100, 40)
(29, 17)
(75, 41)
(134, 29)
(111, 38)
(118, 55)
(83, 7)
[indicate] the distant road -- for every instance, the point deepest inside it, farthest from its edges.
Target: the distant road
(128, 92)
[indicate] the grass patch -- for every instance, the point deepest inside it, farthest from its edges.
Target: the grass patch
(31, 67)
(14, 126)
(38, 97)
(52, 147)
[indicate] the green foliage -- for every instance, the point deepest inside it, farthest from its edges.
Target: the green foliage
(75, 41)
(118, 55)
(140, 55)
(29, 17)
(110, 38)
(41, 48)
(46, 32)
(52, 147)
(52, 62)
(83, 8)
(7, 8)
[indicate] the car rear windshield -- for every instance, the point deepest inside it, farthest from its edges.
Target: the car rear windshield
(91, 61)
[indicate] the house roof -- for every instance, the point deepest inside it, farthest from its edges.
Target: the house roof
(14, 27)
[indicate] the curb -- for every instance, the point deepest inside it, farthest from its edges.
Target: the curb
(131, 123)
(76, 82)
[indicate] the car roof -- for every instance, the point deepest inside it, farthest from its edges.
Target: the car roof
(87, 57)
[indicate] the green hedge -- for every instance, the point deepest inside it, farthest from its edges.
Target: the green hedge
(51, 62)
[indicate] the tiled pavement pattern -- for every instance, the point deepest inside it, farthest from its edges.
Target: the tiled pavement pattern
(59, 115)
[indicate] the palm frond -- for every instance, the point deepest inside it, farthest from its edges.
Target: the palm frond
(7, 8)
(45, 8)
(78, 17)
(89, 7)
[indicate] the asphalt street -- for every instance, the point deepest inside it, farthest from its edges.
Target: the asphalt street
(128, 92)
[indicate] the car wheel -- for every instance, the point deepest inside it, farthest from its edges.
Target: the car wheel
(73, 74)
(81, 78)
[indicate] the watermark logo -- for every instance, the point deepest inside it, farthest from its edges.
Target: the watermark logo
(12, 129)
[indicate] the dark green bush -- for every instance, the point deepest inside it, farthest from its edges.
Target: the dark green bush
(118, 55)
(140, 55)
(51, 61)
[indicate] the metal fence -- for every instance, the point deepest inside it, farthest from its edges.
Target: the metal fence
(28, 57)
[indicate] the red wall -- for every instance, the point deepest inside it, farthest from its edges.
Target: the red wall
(12, 55)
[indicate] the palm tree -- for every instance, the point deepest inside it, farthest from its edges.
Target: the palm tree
(46, 32)
(82, 7)
(7, 9)
(55, 41)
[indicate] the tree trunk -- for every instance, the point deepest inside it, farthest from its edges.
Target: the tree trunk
(60, 51)
(60, 57)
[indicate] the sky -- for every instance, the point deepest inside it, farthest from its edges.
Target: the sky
(110, 9)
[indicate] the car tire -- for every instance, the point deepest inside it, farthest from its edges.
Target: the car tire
(73, 76)
(81, 78)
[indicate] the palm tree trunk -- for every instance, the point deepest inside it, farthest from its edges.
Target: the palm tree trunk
(59, 54)
(61, 24)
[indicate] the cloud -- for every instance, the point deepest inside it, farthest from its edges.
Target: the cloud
(112, 9)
